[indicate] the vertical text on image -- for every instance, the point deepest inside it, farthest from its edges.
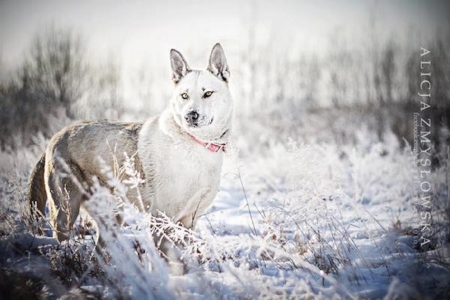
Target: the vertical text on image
(425, 148)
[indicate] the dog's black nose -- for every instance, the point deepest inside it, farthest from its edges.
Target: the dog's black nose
(192, 118)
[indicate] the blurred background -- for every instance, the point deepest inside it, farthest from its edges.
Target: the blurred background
(312, 71)
(321, 191)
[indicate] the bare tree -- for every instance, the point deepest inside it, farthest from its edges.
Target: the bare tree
(440, 89)
(51, 78)
(102, 95)
(338, 62)
(108, 86)
(55, 68)
(412, 74)
(378, 97)
(144, 81)
(388, 70)
(309, 76)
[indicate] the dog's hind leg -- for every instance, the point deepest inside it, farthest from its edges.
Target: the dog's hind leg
(64, 186)
(101, 207)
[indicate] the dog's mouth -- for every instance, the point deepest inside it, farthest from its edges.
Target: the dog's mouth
(201, 122)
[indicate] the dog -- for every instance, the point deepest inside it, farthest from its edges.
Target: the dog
(178, 153)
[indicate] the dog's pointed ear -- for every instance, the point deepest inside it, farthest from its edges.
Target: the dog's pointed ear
(179, 65)
(218, 63)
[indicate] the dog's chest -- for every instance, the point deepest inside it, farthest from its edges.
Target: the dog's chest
(186, 179)
(187, 168)
(182, 178)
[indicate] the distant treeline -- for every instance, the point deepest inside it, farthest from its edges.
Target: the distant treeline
(56, 83)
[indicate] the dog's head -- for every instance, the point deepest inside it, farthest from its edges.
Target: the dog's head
(202, 104)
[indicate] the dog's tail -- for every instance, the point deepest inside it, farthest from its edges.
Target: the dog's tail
(37, 196)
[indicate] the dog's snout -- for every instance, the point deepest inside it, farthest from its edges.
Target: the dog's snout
(192, 118)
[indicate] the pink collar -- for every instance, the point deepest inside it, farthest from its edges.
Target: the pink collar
(210, 146)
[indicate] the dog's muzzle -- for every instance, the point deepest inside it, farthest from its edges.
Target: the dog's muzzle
(192, 118)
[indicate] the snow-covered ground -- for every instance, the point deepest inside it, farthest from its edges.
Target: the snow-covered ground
(299, 221)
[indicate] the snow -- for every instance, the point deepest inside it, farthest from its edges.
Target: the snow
(299, 221)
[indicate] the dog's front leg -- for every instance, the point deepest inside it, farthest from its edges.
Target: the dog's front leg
(198, 205)
(169, 251)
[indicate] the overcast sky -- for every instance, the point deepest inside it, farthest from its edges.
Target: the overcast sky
(133, 31)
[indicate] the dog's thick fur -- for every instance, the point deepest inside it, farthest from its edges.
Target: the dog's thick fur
(181, 176)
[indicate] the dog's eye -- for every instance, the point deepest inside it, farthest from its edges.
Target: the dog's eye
(185, 96)
(207, 94)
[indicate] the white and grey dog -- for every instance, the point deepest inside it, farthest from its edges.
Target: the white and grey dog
(179, 153)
